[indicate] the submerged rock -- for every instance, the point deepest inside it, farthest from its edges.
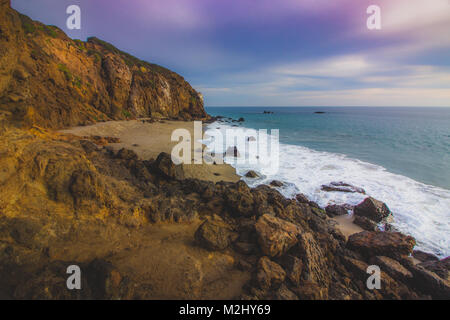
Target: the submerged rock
(342, 187)
(252, 174)
(276, 183)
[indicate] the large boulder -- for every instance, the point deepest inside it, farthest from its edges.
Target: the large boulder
(372, 209)
(240, 199)
(334, 210)
(276, 236)
(365, 223)
(269, 274)
(215, 234)
(377, 243)
(165, 166)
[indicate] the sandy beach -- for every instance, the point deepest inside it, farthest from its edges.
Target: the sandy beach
(148, 140)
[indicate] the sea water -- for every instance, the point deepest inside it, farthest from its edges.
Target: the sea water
(400, 156)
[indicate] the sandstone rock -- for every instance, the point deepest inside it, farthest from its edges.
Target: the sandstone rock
(342, 187)
(283, 293)
(365, 223)
(240, 199)
(269, 274)
(311, 291)
(167, 168)
(376, 243)
(372, 209)
(215, 234)
(293, 267)
(430, 283)
(276, 236)
(126, 154)
(335, 210)
(392, 267)
(244, 247)
(301, 198)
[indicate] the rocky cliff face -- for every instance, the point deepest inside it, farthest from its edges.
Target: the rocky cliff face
(53, 81)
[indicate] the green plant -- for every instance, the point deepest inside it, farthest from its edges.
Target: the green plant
(67, 73)
(77, 82)
(51, 31)
(126, 113)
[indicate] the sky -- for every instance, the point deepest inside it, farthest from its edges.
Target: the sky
(279, 53)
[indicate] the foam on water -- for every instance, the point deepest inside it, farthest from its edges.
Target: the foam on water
(420, 210)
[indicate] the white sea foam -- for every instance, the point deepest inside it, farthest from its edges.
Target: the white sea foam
(420, 210)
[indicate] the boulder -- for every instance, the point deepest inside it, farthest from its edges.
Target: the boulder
(252, 174)
(239, 199)
(293, 267)
(335, 210)
(215, 234)
(276, 236)
(283, 293)
(269, 274)
(276, 183)
(301, 198)
(342, 187)
(126, 154)
(378, 243)
(232, 152)
(430, 283)
(165, 166)
(365, 223)
(372, 209)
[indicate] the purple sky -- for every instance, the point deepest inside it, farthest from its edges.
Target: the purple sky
(279, 53)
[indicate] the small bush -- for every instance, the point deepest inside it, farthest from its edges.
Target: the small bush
(126, 113)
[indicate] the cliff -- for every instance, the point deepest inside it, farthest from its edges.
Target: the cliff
(50, 80)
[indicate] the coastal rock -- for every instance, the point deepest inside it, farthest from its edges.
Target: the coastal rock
(240, 199)
(301, 198)
(232, 152)
(335, 210)
(372, 209)
(311, 291)
(165, 166)
(377, 243)
(276, 236)
(342, 187)
(252, 174)
(430, 283)
(392, 267)
(215, 234)
(276, 183)
(365, 223)
(424, 256)
(440, 267)
(269, 274)
(293, 267)
(283, 293)
(126, 154)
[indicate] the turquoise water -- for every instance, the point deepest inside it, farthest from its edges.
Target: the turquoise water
(399, 155)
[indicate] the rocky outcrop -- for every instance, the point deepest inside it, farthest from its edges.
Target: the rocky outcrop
(50, 80)
(215, 234)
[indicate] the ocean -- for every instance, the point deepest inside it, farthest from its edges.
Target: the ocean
(400, 156)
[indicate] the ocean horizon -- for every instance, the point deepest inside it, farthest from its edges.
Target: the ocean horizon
(399, 155)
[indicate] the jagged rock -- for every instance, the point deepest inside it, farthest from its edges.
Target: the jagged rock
(314, 260)
(269, 274)
(440, 267)
(166, 167)
(424, 256)
(215, 234)
(244, 247)
(311, 291)
(365, 223)
(293, 267)
(85, 185)
(430, 283)
(126, 154)
(372, 209)
(276, 183)
(283, 293)
(240, 199)
(301, 198)
(335, 210)
(392, 267)
(252, 174)
(378, 243)
(342, 187)
(276, 236)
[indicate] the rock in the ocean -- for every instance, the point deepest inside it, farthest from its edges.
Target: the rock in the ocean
(373, 209)
(232, 152)
(276, 183)
(342, 187)
(276, 236)
(252, 174)
(215, 234)
(424, 256)
(377, 243)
